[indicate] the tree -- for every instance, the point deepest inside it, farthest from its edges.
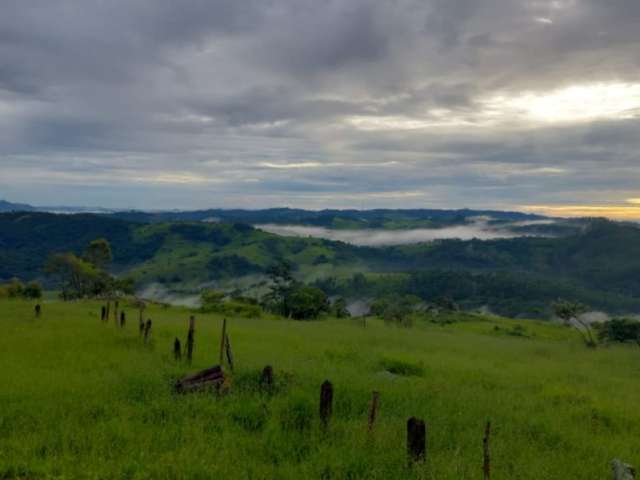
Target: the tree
(98, 253)
(568, 311)
(282, 283)
(620, 330)
(78, 278)
(305, 302)
(340, 308)
(32, 290)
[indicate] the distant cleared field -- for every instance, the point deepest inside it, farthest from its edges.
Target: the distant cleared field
(84, 399)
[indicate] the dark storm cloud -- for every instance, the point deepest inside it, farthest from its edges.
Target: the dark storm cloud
(317, 103)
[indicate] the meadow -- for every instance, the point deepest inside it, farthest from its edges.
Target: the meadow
(80, 398)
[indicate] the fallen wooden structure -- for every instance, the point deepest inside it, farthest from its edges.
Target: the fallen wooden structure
(209, 379)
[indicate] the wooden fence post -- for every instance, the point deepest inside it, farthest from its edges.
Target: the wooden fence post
(326, 402)
(147, 331)
(38, 310)
(267, 376)
(222, 341)
(177, 350)
(227, 348)
(486, 466)
(190, 338)
(416, 440)
(373, 410)
(123, 319)
(103, 313)
(622, 471)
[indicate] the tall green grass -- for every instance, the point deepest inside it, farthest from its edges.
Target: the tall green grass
(83, 399)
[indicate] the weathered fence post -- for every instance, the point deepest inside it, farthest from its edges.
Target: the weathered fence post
(416, 440)
(486, 466)
(222, 340)
(267, 376)
(177, 350)
(227, 348)
(326, 402)
(147, 330)
(622, 471)
(103, 313)
(123, 319)
(373, 410)
(190, 338)
(38, 310)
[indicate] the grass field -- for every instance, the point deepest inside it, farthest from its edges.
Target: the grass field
(84, 399)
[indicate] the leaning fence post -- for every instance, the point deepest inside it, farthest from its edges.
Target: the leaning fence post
(326, 402)
(190, 338)
(227, 348)
(416, 440)
(222, 340)
(177, 351)
(123, 319)
(147, 330)
(373, 410)
(486, 466)
(622, 471)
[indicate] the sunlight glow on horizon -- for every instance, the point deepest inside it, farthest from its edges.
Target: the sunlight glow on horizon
(615, 212)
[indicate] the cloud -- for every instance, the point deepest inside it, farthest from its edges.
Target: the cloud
(341, 103)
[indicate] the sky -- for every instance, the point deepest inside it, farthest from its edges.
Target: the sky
(529, 105)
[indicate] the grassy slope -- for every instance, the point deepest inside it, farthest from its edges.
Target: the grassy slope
(84, 399)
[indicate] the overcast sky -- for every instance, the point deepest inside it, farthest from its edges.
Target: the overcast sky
(518, 104)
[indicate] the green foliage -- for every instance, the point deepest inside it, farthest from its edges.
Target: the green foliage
(339, 308)
(304, 302)
(32, 290)
(620, 330)
(98, 253)
(396, 309)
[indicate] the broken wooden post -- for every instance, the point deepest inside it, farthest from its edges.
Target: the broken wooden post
(373, 410)
(267, 377)
(206, 379)
(326, 402)
(222, 340)
(622, 471)
(486, 466)
(177, 351)
(416, 440)
(103, 313)
(147, 331)
(123, 319)
(227, 348)
(38, 310)
(190, 338)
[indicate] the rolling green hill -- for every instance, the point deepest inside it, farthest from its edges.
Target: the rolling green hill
(600, 265)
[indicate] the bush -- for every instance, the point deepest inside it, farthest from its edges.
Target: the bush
(32, 290)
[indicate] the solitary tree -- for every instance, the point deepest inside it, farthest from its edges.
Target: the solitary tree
(568, 311)
(98, 253)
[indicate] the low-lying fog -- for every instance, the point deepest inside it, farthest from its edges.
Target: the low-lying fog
(478, 228)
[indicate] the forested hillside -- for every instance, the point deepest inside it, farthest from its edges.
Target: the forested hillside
(599, 266)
